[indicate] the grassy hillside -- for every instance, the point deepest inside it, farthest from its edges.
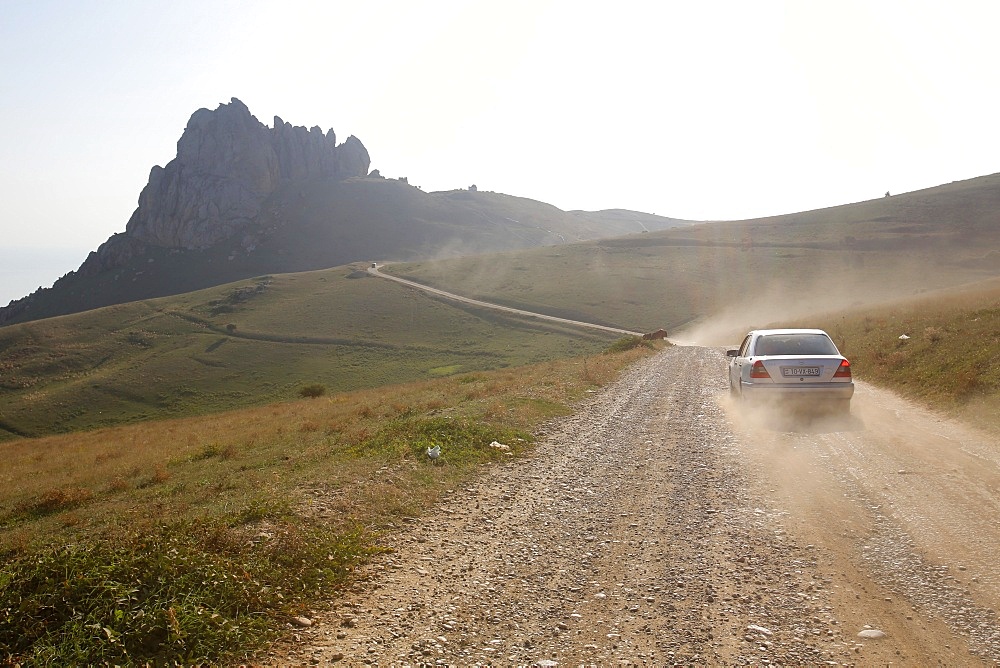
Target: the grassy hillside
(263, 339)
(655, 280)
(250, 343)
(685, 279)
(308, 225)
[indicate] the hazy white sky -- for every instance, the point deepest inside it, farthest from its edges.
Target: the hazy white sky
(720, 110)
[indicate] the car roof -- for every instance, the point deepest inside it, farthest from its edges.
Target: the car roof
(764, 332)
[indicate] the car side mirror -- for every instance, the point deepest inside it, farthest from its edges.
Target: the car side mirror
(732, 353)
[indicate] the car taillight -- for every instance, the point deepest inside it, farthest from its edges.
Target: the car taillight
(844, 371)
(758, 370)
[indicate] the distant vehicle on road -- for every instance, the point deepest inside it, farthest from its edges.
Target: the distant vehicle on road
(374, 265)
(794, 367)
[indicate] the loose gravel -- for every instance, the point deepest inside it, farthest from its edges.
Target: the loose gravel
(629, 536)
(638, 533)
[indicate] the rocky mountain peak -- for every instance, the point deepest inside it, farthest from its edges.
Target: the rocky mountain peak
(227, 164)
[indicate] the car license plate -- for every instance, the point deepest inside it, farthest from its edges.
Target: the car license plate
(795, 371)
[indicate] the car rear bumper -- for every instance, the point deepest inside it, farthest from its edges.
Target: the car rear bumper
(804, 392)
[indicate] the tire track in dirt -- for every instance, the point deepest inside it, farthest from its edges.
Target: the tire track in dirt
(904, 504)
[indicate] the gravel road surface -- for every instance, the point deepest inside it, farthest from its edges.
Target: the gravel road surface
(661, 525)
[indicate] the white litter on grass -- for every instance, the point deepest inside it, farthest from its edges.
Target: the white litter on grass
(434, 452)
(903, 337)
(497, 445)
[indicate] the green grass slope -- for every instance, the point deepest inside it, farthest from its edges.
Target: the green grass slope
(250, 343)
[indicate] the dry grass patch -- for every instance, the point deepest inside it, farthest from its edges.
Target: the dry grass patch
(942, 349)
(267, 493)
(56, 500)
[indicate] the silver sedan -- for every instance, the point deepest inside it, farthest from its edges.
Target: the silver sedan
(800, 367)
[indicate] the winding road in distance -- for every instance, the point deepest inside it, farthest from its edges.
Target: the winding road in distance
(373, 270)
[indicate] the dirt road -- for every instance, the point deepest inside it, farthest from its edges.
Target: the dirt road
(374, 271)
(660, 525)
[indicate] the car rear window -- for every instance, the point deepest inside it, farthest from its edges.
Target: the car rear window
(795, 344)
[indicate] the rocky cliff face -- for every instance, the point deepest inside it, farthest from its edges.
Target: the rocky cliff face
(227, 164)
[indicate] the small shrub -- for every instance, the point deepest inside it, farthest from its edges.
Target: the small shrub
(106, 455)
(967, 383)
(119, 484)
(207, 452)
(880, 356)
(210, 450)
(56, 500)
(70, 519)
(160, 475)
(626, 343)
(138, 338)
(312, 391)
(933, 334)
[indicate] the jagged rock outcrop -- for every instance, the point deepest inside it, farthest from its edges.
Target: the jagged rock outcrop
(227, 164)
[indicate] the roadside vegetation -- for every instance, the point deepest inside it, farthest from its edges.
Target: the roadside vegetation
(197, 540)
(942, 350)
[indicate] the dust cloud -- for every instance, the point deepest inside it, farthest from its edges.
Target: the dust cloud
(783, 417)
(902, 500)
(777, 303)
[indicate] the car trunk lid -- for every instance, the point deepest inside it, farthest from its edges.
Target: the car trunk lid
(795, 369)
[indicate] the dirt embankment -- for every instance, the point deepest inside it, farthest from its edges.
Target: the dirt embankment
(661, 525)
